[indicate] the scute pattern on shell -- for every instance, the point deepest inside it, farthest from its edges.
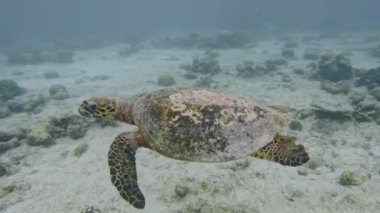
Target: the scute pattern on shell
(201, 125)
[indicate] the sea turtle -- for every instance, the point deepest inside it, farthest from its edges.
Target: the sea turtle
(192, 125)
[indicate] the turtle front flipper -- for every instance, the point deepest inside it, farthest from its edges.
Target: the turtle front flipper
(121, 160)
(283, 150)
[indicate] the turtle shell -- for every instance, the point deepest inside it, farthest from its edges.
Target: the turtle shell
(202, 125)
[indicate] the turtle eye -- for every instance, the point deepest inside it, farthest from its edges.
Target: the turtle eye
(91, 106)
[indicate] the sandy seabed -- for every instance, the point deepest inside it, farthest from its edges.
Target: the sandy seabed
(54, 180)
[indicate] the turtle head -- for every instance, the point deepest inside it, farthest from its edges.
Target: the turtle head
(98, 108)
(107, 108)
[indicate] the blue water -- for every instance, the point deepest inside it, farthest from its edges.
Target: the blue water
(318, 60)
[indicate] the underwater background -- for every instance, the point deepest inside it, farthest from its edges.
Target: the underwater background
(319, 59)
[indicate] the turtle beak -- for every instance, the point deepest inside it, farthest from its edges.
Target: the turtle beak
(88, 108)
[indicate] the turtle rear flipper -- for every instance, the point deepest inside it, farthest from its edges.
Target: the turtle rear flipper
(121, 160)
(283, 150)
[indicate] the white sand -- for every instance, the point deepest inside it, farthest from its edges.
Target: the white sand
(54, 180)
